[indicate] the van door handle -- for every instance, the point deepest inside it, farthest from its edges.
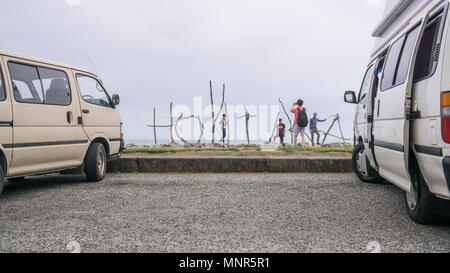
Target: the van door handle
(69, 117)
(85, 111)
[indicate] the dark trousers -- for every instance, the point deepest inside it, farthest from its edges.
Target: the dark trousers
(282, 139)
(224, 134)
(313, 132)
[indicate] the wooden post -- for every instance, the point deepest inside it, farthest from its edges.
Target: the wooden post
(154, 125)
(274, 129)
(212, 112)
(329, 129)
(213, 116)
(290, 122)
(171, 122)
(340, 128)
(247, 118)
(228, 124)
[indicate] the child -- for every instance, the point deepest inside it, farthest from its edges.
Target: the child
(281, 131)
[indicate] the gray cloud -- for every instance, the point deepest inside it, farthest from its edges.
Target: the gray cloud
(153, 52)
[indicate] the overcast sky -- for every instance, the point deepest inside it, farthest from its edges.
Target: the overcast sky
(152, 52)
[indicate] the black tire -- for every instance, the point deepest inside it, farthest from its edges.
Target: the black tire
(428, 209)
(369, 174)
(2, 180)
(95, 162)
(16, 179)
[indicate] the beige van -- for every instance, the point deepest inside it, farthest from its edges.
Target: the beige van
(54, 118)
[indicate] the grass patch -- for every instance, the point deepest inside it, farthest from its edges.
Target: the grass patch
(283, 149)
(183, 150)
(316, 150)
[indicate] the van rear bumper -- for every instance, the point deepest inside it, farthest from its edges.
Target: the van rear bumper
(446, 166)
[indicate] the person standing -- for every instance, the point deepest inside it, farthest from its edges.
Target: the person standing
(281, 131)
(224, 125)
(313, 128)
(301, 121)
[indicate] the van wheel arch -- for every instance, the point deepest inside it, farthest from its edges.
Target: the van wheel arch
(101, 141)
(428, 209)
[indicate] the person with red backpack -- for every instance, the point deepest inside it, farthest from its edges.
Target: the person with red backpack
(301, 121)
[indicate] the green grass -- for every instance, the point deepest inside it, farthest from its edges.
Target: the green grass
(182, 150)
(316, 150)
(285, 149)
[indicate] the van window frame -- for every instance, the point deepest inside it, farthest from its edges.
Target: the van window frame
(404, 37)
(40, 80)
(101, 84)
(5, 95)
(441, 15)
(371, 81)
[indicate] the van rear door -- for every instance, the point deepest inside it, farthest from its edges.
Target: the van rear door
(6, 119)
(392, 109)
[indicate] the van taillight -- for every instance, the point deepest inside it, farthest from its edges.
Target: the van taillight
(445, 103)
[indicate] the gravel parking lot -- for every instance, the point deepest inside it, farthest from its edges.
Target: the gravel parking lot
(211, 213)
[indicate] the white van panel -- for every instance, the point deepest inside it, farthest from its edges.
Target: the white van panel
(433, 174)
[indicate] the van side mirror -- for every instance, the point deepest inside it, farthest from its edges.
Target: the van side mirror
(350, 97)
(115, 100)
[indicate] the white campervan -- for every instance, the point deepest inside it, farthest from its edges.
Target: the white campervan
(54, 118)
(402, 123)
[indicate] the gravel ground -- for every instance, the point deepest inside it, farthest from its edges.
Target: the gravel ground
(211, 213)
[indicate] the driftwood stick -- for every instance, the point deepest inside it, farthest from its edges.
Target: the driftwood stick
(212, 111)
(159, 126)
(331, 135)
(290, 122)
(329, 129)
(228, 124)
(247, 118)
(171, 122)
(340, 128)
(213, 115)
(189, 117)
(274, 129)
(154, 125)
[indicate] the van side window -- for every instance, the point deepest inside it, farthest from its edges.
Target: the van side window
(405, 60)
(2, 88)
(55, 85)
(426, 59)
(32, 84)
(22, 77)
(398, 61)
(390, 67)
(92, 91)
(365, 87)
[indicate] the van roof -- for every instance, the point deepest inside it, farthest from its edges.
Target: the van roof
(43, 61)
(398, 16)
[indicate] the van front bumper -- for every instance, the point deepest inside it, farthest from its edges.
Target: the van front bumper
(446, 166)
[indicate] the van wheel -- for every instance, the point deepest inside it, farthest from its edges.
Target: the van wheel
(421, 204)
(2, 179)
(362, 167)
(95, 162)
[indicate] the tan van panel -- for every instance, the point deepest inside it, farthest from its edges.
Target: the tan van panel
(97, 119)
(5, 117)
(47, 137)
